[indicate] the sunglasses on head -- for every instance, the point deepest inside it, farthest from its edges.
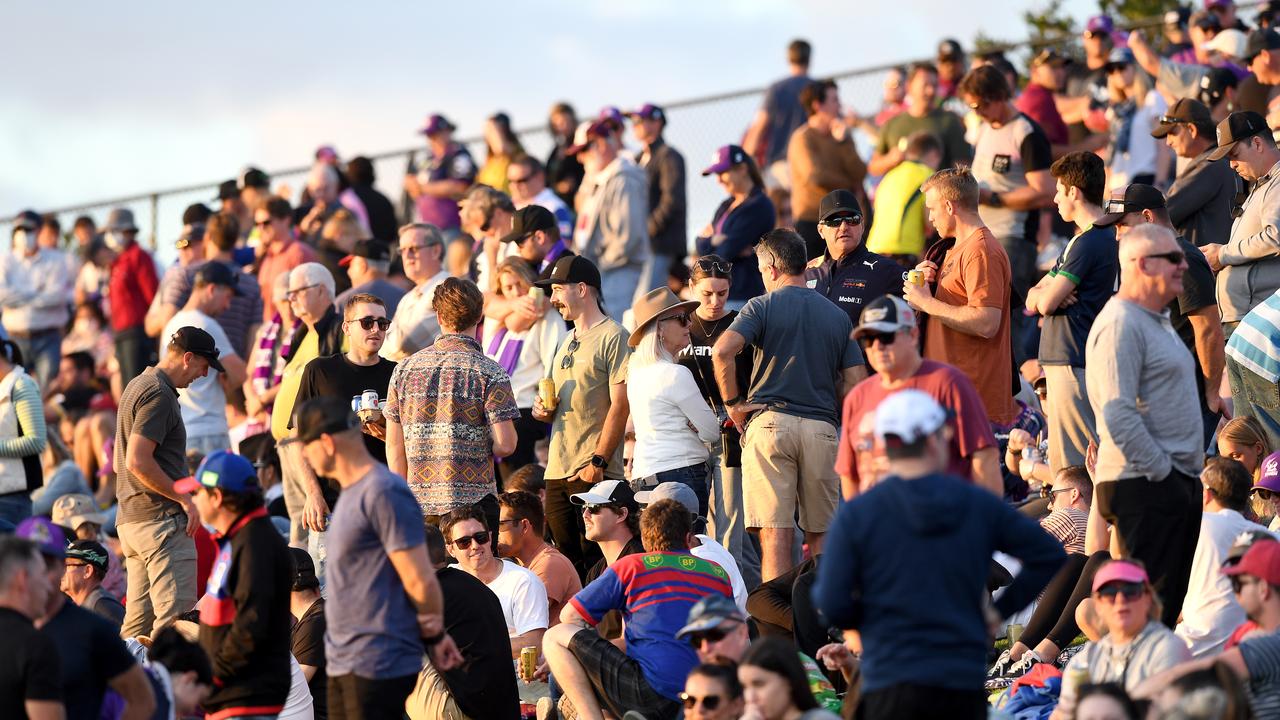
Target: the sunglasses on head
(367, 323)
(835, 222)
(709, 702)
(464, 542)
(1130, 590)
(709, 266)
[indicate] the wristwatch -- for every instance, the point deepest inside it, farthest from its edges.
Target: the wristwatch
(599, 461)
(734, 400)
(995, 200)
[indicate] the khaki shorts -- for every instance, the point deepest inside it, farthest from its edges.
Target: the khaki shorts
(788, 462)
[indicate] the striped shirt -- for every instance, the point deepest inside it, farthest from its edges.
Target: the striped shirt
(1262, 658)
(1067, 526)
(1255, 344)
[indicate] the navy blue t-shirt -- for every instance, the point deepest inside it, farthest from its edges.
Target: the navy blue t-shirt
(1090, 261)
(782, 104)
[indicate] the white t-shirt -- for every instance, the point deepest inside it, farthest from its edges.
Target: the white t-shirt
(523, 598)
(1141, 157)
(299, 704)
(1210, 612)
(664, 400)
(535, 349)
(716, 553)
(204, 404)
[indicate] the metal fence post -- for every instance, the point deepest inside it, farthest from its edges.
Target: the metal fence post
(155, 219)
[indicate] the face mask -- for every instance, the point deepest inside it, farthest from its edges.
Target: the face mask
(24, 240)
(115, 240)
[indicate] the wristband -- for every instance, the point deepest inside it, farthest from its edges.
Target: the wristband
(734, 400)
(431, 642)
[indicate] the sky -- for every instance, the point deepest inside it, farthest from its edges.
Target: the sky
(110, 100)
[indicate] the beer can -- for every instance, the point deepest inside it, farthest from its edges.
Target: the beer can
(528, 661)
(369, 400)
(355, 403)
(916, 277)
(547, 391)
(535, 293)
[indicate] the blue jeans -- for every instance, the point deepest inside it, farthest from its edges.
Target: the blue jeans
(1252, 395)
(695, 476)
(41, 355)
(14, 508)
(655, 272)
(618, 288)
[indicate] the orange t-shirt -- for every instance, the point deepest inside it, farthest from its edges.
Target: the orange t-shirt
(976, 273)
(560, 579)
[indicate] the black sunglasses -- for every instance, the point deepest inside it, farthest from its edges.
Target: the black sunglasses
(710, 266)
(1130, 590)
(263, 223)
(570, 349)
(884, 338)
(1174, 257)
(520, 181)
(709, 702)
(682, 318)
(1264, 494)
(367, 323)
(714, 635)
(1048, 493)
(464, 542)
(835, 222)
(596, 509)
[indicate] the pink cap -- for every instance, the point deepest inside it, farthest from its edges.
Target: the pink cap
(1119, 570)
(1261, 561)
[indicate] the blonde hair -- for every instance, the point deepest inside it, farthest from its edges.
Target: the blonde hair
(649, 350)
(955, 185)
(1246, 430)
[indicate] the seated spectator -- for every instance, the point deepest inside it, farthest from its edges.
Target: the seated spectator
(86, 568)
(1136, 645)
(646, 678)
(612, 521)
(1106, 700)
(700, 545)
(307, 639)
(1242, 439)
(712, 692)
(1265, 493)
(783, 607)
(520, 537)
(522, 594)
(774, 683)
(180, 674)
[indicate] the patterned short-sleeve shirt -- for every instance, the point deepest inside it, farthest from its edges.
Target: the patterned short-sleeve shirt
(446, 397)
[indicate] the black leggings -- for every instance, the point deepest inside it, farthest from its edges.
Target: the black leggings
(1055, 616)
(528, 433)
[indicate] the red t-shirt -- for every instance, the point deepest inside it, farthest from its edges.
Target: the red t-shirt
(946, 384)
(132, 287)
(1036, 102)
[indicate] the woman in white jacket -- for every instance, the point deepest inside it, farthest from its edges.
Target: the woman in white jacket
(673, 423)
(22, 436)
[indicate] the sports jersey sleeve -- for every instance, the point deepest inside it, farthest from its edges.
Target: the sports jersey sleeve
(1082, 256)
(603, 594)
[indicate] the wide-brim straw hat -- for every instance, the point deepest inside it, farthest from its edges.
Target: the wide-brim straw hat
(653, 305)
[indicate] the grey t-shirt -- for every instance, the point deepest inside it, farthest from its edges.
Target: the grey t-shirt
(149, 407)
(802, 344)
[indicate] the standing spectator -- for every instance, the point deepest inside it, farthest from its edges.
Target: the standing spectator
(1046, 76)
(613, 214)
(244, 313)
(520, 538)
(968, 324)
(564, 171)
(1134, 109)
(23, 436)
(87, 563)
(444, 177)
(951, 66)
(771, 128)
(379, 211)
(846, 272)
(155, 522)
(204, 402)
(1252, 370)
(1248, 268)
(503, 148)
(590, 415)
(244, 613)
(271, 351)
(664, 168)
(1201, 197)
(1011, 158)
(191, 252)
(385, 599)
(486, 216)
(35, 286)
(536, 234)
(923, 115)
(334, 241)
(739, 221)
(900, 229)
(414, 325)
(132, 287)
(281, 250)
(648, 675)
(889, 333)
(528, 181)
(255, 188)
(1141, 382)
(953, 530)
(450, 410)
(893, 101)
(1086, 271)
(672, 421)
(790, 451)
(306, 641)
(367, 267)
(822, 158)
(30, 677)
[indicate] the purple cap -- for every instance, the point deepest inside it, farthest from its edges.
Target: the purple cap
(1269, 473)
(326, 153)
(612, 115)
(1211, 4)
(435, 124)
(725, 158)
(42, 532)
(648, 111)
(1100, 24)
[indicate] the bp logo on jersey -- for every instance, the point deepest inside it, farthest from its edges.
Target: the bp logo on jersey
(688, 562)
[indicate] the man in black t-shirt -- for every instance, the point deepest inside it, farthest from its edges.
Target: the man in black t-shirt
(307, 643)
(30, 681)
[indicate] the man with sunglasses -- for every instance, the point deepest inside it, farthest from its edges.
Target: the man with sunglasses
(279, 248)
(1201, 197)
(847, 273)
(527, 178)
(1142, 387)
(414, 325)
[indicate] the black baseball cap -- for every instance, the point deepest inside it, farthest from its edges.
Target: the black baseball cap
(304, 570)
(324, 416)
(1236, 127)
(198, 342)
(368, 249)
(228, 190)
(837, 202)
(1260, 40)
(528, 220)
(1187, 110)
(1214, 84)
(950, 50)
(1134, 198)
(572, 269)
(90, 552)
(216, 273)
(252, 177)
(196, 213)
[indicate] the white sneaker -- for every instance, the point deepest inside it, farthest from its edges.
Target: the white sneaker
(1028, 660)
(1001, 667)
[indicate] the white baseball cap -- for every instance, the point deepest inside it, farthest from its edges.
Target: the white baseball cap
(908, 415)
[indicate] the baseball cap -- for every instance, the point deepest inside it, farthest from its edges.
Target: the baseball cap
(216, 273)
(191, 232)
(529, 220)
(1269, 474)
(1050, 56)
(436, 123)
(1242, 542)
(648, 111)
(90, 552)
(221, 469)
(908, 415)
(41, 531)
(677, 491)
(709, 613)
(1258, 41)
(324, 416)
(196, 214)
(950, 49)
(725, 158)
(1261, 560)
(1177, 16)
(252, 177)
(837, 202)
(1186, 110)
(1100, 24)
(304, 570)
(1119, 570)
(608, 492)
(75, 509)
(611, 116)
(198, 342)
(588, 129)
(1133, 198)
(1230, 42)
(369, 249)
(1236, 127)
(1214, 84)
(326, 153)
(572, 269)
(1211, 4)
(1118, 57)
(885, 314)
(228, 190)
(1205, 20)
